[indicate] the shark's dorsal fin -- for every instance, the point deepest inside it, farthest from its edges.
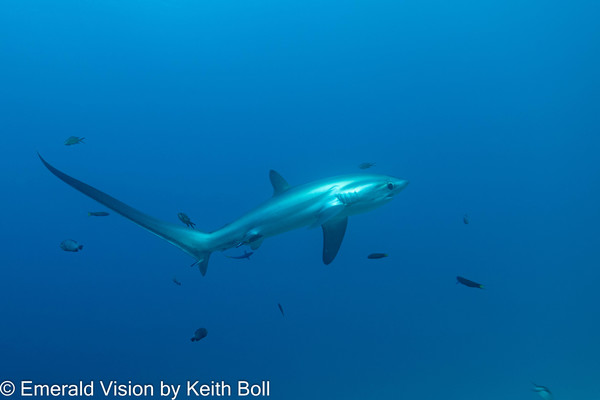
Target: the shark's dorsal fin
(280, 185)
(333, 235)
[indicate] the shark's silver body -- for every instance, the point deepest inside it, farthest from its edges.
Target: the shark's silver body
(327, 203)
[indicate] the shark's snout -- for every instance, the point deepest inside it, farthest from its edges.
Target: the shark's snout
(395, 186)
(402, 183)
(398, 185)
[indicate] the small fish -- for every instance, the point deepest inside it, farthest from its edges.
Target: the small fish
(280, 309)
(97, 214)
(375, 256)
(186, 220)
(74, 140)
(543, 391)
(466, 219)
(245, 255)
(366, 165)
(469, 283)
(70, 245)
(199, 334)
(175, 281)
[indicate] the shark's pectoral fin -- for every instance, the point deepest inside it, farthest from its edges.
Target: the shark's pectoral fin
(328, 213)
(280, 185)
(333, 235)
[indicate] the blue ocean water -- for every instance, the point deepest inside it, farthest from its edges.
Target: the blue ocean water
(488, 108)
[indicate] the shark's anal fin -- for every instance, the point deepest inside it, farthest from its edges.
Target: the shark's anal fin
(280, 185)
(333, 235)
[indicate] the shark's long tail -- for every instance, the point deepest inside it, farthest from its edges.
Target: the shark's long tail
(193, 242)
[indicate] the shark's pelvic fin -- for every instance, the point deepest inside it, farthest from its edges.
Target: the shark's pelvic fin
(280, 185)
(257, 243)
(333, 235)
(193, 242)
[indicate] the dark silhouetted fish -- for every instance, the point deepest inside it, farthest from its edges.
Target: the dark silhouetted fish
(245, 255)
(70, 245)
(175, 281)
(467, 282)
(466, 219)
(375, 256)
(543, 391)
(71, 140)
(280, 309)
(199, 334)
(366, 165)
(97, 214)
(186, 220)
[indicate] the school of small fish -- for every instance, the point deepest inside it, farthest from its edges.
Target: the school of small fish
(71, 245)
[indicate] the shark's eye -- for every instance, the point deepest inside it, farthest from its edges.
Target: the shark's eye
(390, 186)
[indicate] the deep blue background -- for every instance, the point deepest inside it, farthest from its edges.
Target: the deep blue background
(489, 108)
